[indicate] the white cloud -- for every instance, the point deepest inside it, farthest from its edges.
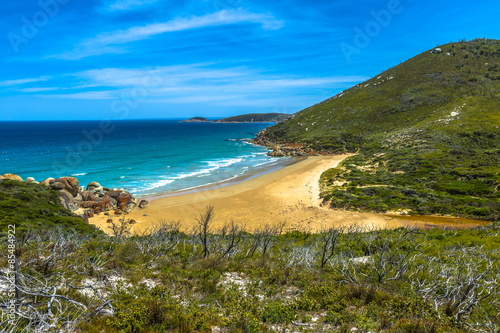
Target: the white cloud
(23, 81)
(87, 95)
(110, 42)
(37, 89)
(122, 5)
(200, 83)
(164, 76)
(194, 74)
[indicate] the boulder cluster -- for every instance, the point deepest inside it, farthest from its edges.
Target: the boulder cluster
(285, 149)
(94, 199)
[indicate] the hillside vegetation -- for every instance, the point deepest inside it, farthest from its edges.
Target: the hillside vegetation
(427, 133)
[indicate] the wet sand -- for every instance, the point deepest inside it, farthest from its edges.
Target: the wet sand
(289, 195)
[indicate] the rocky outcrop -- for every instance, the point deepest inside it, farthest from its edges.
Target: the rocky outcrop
(67, 200)
(78, 199)
(93, 185)
(88, 196)
(12, 176)
(31, 180)
(69, 184)
(47, 181)
(93, 200)
(96, 189)
(143, 204)
(98, 199)
(114, 194)
(277, 153)
(112, 201)
(88, 214)
(285, 148)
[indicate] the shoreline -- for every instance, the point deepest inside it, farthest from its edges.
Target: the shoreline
(259, 171)
(288, 195)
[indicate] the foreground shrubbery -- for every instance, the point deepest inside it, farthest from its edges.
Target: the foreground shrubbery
(228, 280)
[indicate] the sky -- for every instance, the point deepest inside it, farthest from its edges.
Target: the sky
(129, 59)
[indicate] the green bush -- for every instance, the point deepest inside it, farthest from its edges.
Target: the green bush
(32, 206)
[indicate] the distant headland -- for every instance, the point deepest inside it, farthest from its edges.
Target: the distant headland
(196, 120)
(244, 118)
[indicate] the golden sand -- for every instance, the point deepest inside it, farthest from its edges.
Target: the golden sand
(290, 195)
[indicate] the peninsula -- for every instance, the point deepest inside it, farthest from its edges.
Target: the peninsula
(244, 118)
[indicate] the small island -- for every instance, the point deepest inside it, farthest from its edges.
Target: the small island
(196, 120)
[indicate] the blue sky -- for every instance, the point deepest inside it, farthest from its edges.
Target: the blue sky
(126, 59)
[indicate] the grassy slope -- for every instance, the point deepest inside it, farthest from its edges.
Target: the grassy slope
(34, 206)
(421, 95)
(429, 133)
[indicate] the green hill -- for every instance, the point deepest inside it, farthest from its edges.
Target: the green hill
(255, 118)
(427, 133)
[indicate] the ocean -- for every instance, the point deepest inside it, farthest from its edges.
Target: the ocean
(145, 157)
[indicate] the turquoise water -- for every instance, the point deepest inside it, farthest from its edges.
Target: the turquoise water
(145, 157)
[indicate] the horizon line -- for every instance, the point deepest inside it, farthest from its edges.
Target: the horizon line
(130, 119)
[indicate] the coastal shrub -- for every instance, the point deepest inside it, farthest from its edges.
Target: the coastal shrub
(457, 183)
(32, 206)
(278, 312)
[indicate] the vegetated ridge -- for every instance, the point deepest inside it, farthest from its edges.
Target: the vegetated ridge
(427, 133)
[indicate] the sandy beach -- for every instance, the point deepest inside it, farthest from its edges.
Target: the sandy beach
(290, 195)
